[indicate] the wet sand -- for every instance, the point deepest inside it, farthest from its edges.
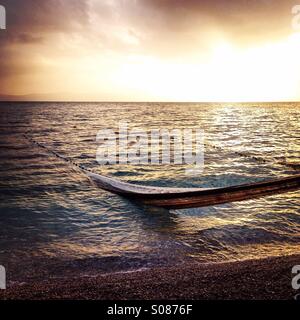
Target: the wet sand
(254, 279)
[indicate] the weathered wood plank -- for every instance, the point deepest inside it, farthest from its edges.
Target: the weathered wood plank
(180, 198)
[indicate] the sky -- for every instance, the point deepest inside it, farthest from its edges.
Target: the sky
(150, 50)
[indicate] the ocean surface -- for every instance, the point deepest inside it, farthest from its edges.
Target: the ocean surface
(55, 223)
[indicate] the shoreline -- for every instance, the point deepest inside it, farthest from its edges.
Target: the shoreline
(263, 279)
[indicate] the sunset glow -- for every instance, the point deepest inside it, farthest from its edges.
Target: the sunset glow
(145, 50)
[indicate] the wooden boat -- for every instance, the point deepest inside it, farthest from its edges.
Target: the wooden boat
(180, 198)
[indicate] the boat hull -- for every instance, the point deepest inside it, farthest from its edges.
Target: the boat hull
(172, 198)
(225, 195)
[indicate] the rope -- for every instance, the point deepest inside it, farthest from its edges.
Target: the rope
(254, 158)
(56, 154)
(239, 153)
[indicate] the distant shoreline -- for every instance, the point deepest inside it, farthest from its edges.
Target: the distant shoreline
(263, 279)
(21, 100)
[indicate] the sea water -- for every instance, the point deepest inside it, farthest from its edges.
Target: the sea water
(55, 223)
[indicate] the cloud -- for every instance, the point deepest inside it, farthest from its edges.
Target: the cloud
(45, 15)
(43, 35)
(179, 28)
(243, 21)
(29, 21)
(30, 24)
(161, 26)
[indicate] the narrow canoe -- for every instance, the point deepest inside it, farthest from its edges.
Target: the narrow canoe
(180, 198)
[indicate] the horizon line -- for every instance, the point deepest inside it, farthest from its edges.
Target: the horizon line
(138, 101)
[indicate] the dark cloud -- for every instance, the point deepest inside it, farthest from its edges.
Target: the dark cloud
(28, 21)
(27, 38)
(219, 9)
(173, 28)
(46, 15)
(159, 24)
(243, 19)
